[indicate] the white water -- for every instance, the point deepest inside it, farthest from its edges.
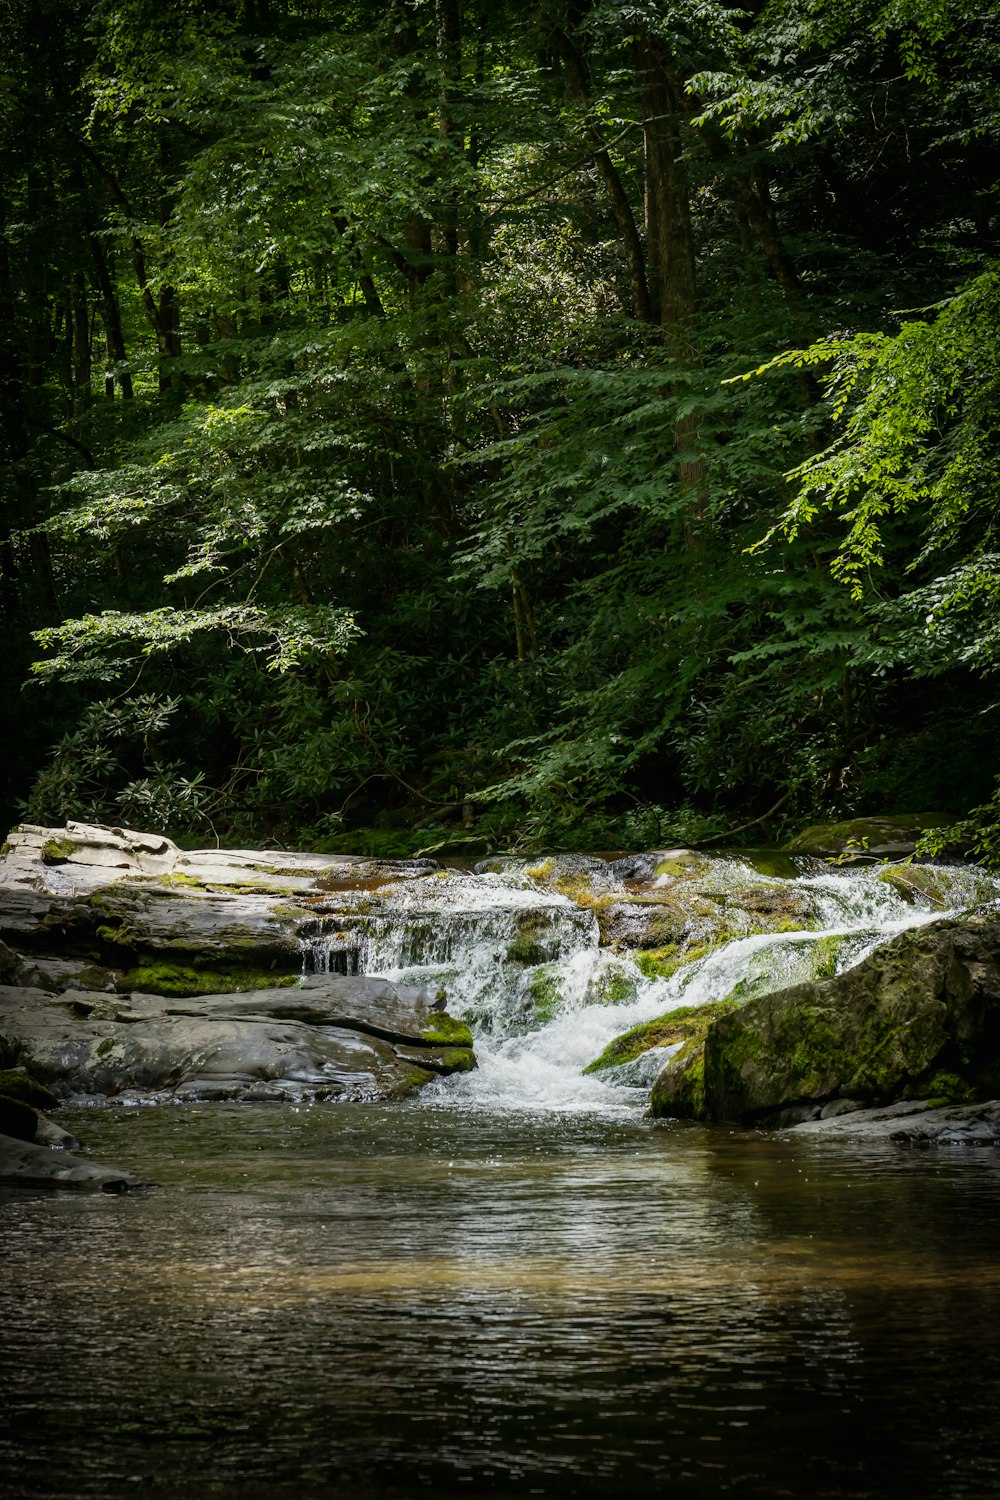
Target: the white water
(522, 963)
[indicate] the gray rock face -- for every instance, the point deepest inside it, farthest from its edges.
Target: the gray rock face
(912, 1122)
(153, 971)
(335, 1038)
(918, 1018)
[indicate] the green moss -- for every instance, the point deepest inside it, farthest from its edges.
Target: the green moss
(943, 1088)
(18, 1085)
(614, 986)
(679, 1092)
(443, 1030)
(183, 980)
(57, 851)
(546, 995)
(682, 1024)
(177, 879)
(679, 865)
(659, 963)
(529, 946)
(116, 937)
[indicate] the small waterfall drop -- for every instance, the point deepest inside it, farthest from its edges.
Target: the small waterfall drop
(522, 960)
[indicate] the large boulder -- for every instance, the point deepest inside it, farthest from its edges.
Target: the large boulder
(919, 1018)
(889, 836)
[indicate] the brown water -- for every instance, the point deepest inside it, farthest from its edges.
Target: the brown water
(419, 1301)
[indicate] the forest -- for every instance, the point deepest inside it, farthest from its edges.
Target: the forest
(551, 423)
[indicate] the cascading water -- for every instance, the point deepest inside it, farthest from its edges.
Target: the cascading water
(522, 960)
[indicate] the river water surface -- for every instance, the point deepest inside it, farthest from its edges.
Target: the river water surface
(415, 1300)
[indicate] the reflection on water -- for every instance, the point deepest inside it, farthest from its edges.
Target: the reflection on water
(387, 1301)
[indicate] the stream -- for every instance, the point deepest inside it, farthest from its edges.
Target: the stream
(514, 1283)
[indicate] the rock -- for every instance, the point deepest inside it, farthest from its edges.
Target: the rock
(868, 839)
(912, 1122)
(84, 856)
(682, 1024)
(118, 910)
(918, 1017)
(27, 1164)
(333, 1037)
(23, 1123)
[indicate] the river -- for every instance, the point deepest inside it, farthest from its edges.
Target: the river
(514, 1284)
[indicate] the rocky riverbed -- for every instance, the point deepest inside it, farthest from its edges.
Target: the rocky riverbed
(134, 971)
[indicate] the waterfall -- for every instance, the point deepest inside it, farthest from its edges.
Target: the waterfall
(522, 961)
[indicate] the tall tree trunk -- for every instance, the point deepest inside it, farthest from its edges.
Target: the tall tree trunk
(417, 247)
(111, 318)
(575, 69)
(449, 53)
(670, 242)
(80, 318)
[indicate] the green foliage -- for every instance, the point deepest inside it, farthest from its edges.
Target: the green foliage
(342, 446)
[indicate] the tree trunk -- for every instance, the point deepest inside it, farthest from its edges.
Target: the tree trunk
(635, 259)
(670, 242)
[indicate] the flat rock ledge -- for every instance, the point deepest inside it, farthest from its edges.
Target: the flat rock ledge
(331, 1037)
(912, 1122)
(129, 967)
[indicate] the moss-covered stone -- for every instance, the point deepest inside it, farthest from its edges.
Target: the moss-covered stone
(917, 883)
(889, 837)
(57, 851)
(18, 1085)
(186, 980)
(443, 1030)
(921, 1014)
(679, 1092)
(683, 863)
(546, 996)
(659, 963)
(678, 1025)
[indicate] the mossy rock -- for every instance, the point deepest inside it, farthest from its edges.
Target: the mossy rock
(678, 1025)
(680, 864)
(679, 1092)
(183, 980)
(443, 1030)
(917, 883)
(546, 995)
(920, 1015)
(890, 837)
(17, 1085)
(57, 851)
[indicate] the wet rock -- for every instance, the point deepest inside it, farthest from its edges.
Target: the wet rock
(868, 839)
(920, 1016)
(911, 1123)
(334, 1037)
(28, 1164)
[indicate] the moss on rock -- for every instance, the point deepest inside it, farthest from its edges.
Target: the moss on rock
(443, 1030)
(18, 1085)
(679, 1092)
(186, 980)
(678, 1025)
